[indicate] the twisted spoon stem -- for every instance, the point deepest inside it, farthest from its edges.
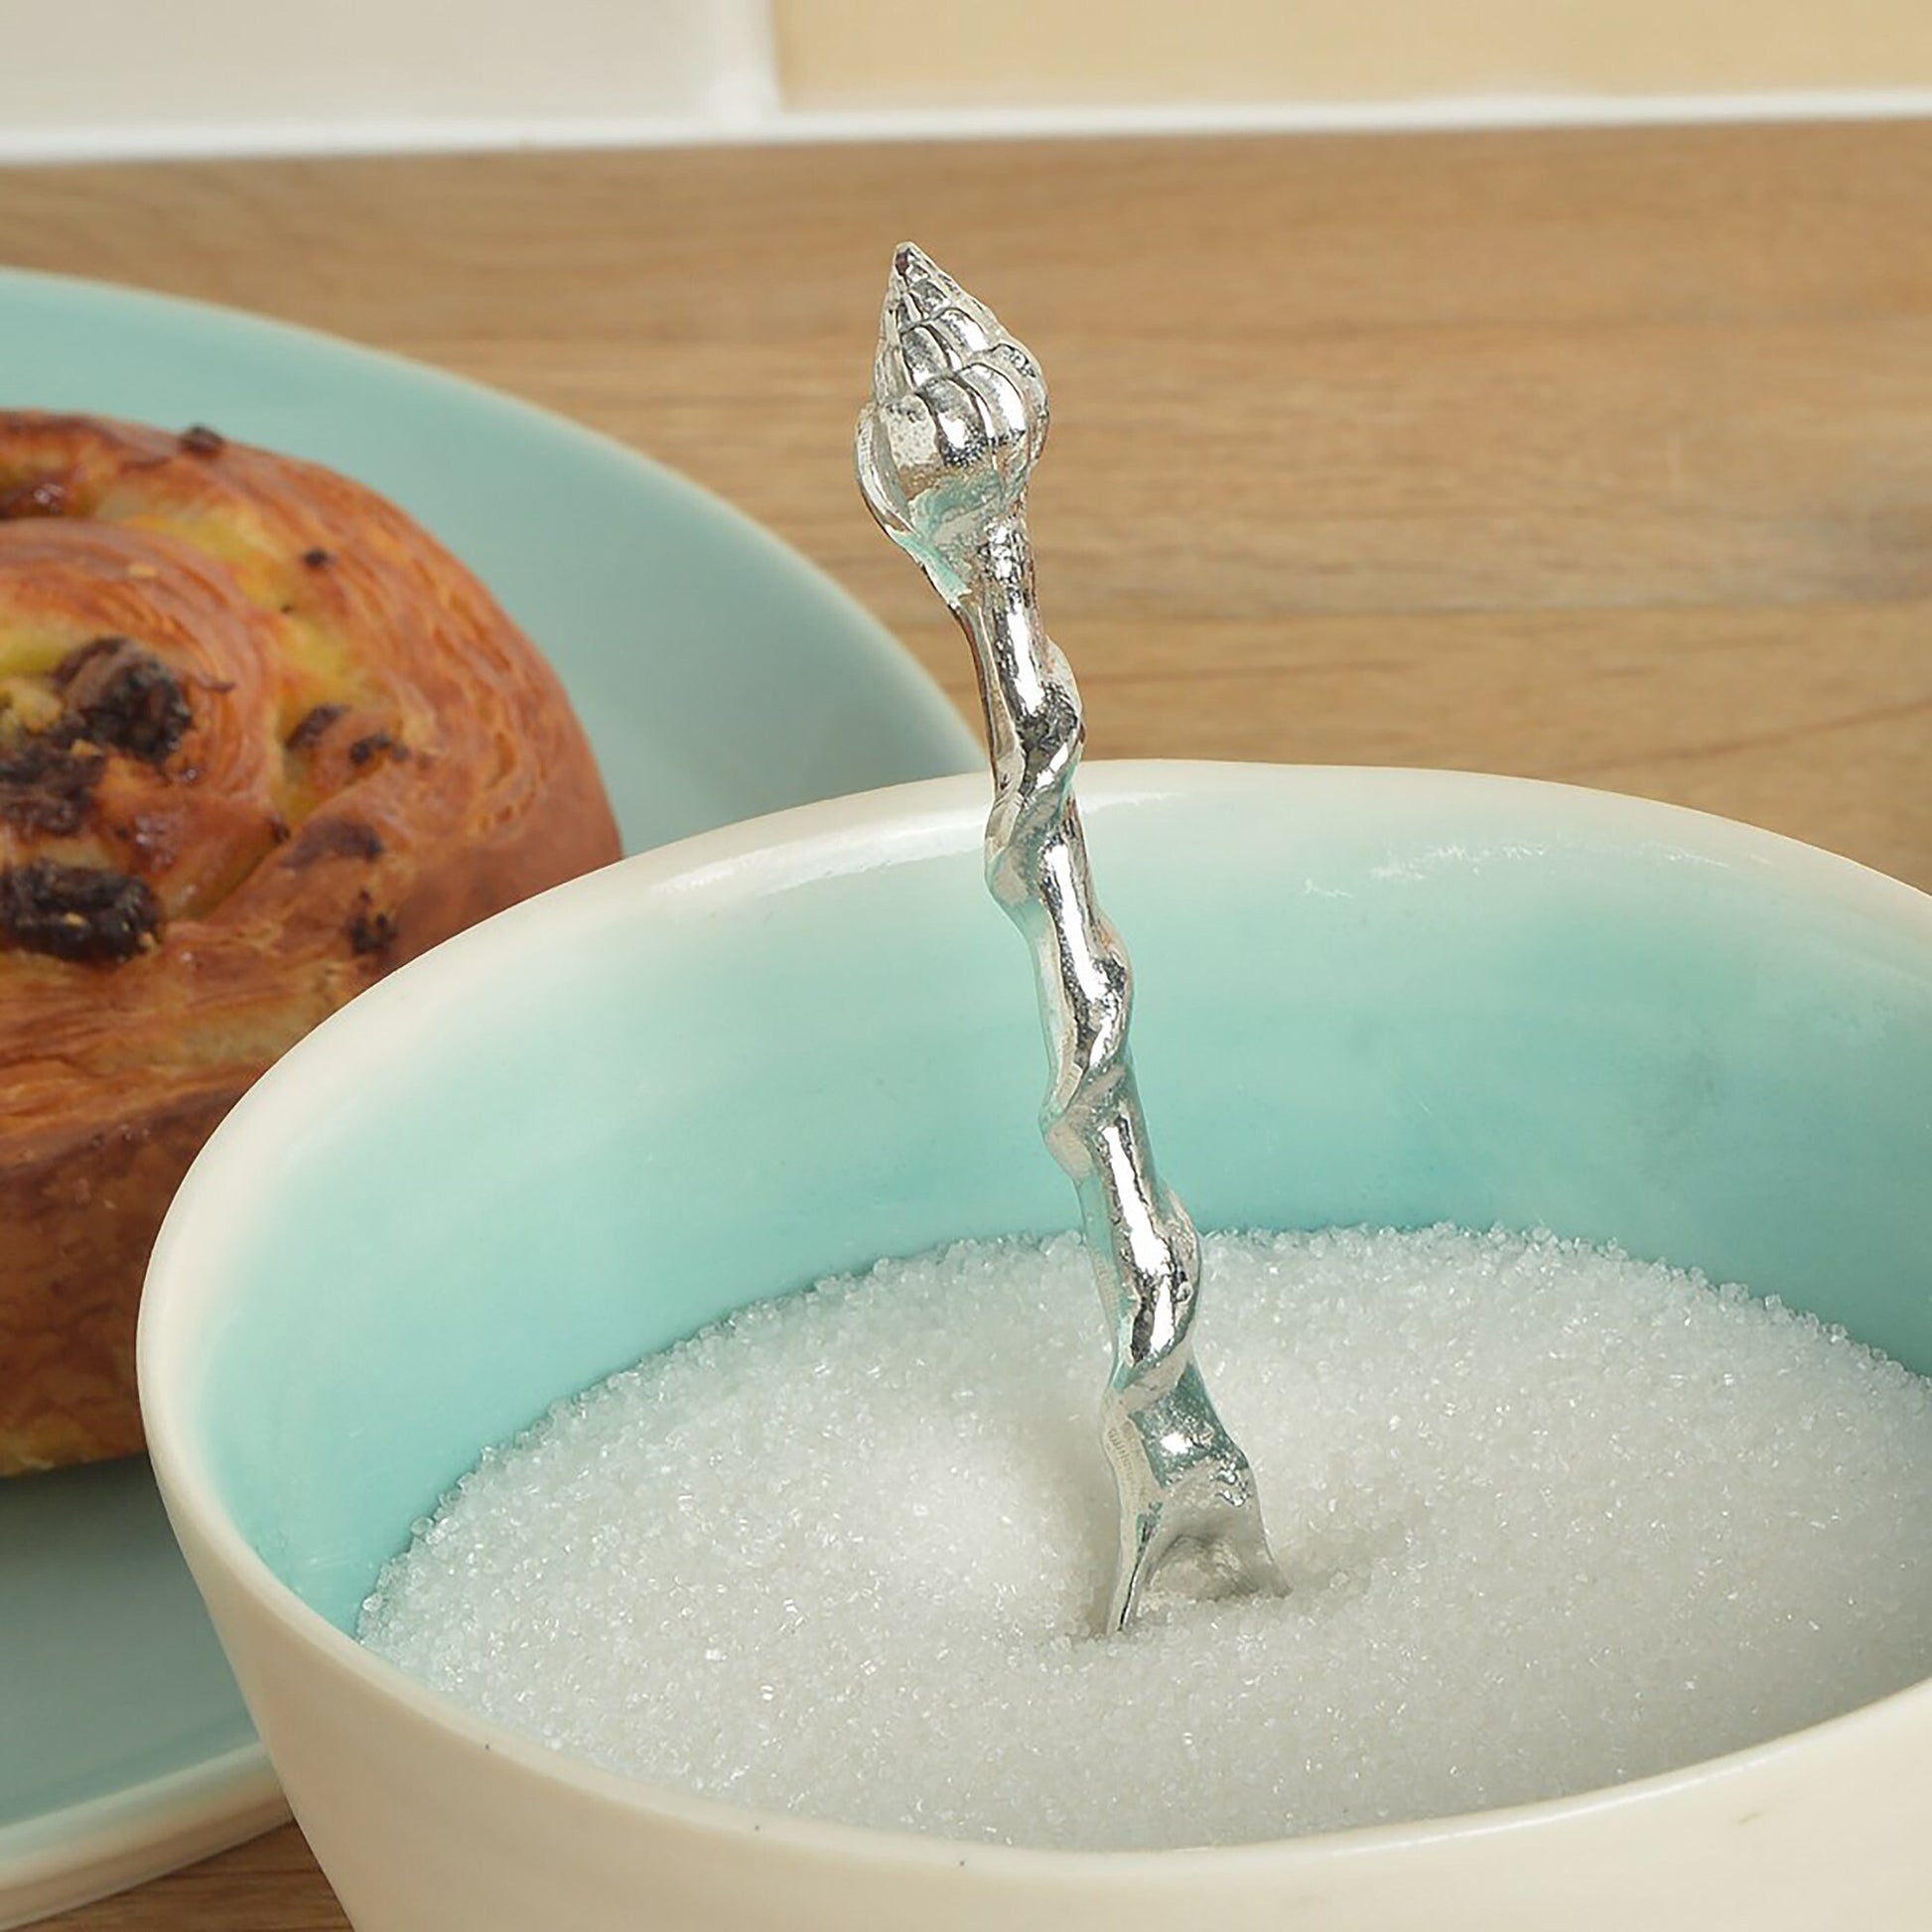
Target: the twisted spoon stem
(943, 454)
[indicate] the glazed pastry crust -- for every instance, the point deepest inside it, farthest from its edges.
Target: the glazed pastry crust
(261, 741)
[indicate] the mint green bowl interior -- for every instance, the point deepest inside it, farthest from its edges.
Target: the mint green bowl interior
(721, 1071)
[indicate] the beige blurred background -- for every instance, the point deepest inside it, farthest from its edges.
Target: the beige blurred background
(882, 53)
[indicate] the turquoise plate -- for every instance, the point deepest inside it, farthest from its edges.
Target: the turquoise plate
(719, 675)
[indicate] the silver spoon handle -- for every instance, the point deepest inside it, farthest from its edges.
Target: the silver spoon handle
(957, 418)
(1163, 1435)
(1037, 870)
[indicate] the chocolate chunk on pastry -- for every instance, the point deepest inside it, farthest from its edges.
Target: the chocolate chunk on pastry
(261, 740)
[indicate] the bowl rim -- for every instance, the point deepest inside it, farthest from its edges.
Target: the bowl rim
(863, 832)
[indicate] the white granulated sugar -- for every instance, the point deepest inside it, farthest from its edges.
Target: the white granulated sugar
(1553, 1519)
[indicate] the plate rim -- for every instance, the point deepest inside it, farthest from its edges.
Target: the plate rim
(79, 1852)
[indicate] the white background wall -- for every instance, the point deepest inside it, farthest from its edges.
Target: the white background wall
(82, 77)
(156, 75)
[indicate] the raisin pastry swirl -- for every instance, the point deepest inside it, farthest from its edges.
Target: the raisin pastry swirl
(261, 740)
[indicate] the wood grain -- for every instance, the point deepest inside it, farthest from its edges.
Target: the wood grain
(1599, 455)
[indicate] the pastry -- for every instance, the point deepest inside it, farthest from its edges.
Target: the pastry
(261, 740)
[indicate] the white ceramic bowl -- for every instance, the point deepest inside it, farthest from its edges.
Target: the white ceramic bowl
(785, 1048)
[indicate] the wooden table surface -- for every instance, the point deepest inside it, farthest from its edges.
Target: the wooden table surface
(1603, 456)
